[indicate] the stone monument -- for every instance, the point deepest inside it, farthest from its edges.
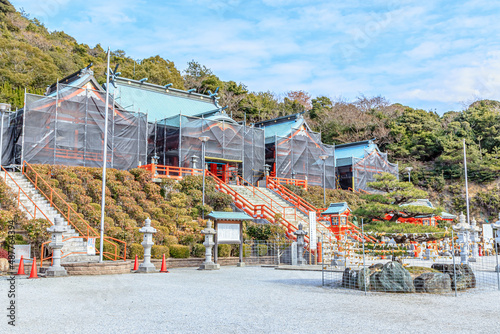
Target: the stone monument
(300, 245)
(463, 229)
(146, 266)
(209, 243)
(57, 231)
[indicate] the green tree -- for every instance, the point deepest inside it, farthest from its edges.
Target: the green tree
(390, 199)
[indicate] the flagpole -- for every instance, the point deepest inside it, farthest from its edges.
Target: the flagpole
(466, 184)
(104, 162)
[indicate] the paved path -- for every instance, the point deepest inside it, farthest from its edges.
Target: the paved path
(236, 300)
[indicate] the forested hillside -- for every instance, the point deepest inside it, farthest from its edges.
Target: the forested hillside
(33, 57)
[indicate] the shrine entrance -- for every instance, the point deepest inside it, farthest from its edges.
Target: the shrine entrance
(225, 170)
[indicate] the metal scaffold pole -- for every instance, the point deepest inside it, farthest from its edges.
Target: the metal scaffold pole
(104, 162)
(24, 126)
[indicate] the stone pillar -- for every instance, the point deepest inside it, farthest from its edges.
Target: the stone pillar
(56, 244)
(209, 243)
(300, 245)
(463, 229)
(146, 266)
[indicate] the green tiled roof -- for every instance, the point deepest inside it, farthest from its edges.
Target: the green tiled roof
(336, 208)
(222, 215)
(159, 102)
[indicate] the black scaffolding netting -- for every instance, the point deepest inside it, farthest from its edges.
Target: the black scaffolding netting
(176, 143)
(366, 168)
(68, 129)
(300, 156)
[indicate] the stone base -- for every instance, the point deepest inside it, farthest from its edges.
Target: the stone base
(209, 266)
(56, 272)
(240, 264)
(150, 268)
(301, 262)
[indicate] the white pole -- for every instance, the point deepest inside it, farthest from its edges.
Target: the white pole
(466, 184)
(1, 140)
(24, 126)
(104, 161)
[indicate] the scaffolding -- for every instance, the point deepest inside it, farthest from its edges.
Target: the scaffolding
(175, 141)
(298, 156)
(68, 129)
(364, 169)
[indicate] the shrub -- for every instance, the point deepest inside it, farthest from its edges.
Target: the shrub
(179, 251)
(135, 249)
(171, 240)
(198, 250)
(224, 250)
(157, 251)
(4, 254)
(247, 250)
(262, 249)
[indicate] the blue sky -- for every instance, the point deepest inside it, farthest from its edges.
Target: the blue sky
(434, 55)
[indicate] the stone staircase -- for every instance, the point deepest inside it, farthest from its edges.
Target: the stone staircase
(265, 196)
(29, 196)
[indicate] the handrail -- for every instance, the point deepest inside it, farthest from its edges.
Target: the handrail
(295, 182)
(171, 172)
(242, 203)
(71, 213)
(300, 202)
(19, 198)
(63, 255)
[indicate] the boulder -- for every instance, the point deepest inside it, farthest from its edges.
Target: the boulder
(465, 277)
(350, 278)
(4, 265)
(433, 283)
(393, 277)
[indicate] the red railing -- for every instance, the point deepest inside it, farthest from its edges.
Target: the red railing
(19, 203)
(72, 217)
(295, 182)
(170, 172)
(302, 204)
(254, 210)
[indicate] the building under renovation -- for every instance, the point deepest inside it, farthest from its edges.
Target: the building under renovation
(294, 151)
(146, 121)
(357, 163)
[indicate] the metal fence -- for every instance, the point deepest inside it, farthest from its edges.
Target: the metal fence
(258, 252)
(441, 264)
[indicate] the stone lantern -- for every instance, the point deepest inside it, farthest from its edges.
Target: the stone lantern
(463, 229)
(209, 243)
(56, 244)
(300, 245)
(194, 161)
(146, 266)
(474, 239)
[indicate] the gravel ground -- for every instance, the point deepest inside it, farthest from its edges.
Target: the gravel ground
(236, 300)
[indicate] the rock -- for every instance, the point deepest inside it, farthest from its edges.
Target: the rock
(433, 283)
(350, 278)
(465, 277)
(393, 277)
(4, 265)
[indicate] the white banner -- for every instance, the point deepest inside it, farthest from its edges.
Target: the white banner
(312, 230)
(91, 246)
(228, 233)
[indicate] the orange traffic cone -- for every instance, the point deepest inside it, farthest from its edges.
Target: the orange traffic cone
(20, 270)
(33, 273)
(136, 264)
(163, 265)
